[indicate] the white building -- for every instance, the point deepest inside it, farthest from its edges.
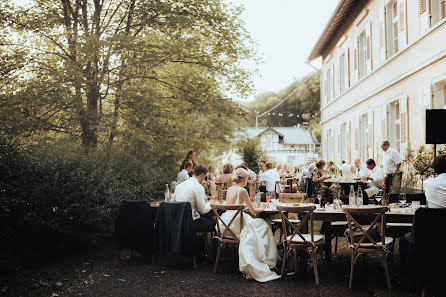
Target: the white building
(383, 65)
(285, 145)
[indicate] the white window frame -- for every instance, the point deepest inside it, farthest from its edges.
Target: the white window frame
(343, 84)
(391, 16)
(344, 141)
(329, 83)
(436, 13)
(363, 136)
(393, 124)
(362, 54)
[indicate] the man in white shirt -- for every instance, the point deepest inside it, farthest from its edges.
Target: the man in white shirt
(261, 167)
(192, 191)
(374, 180)
(435, 188)
(270, 176)
(344, 168)
(252, 174)
(392, 162)
(360, 170)
(184, 173)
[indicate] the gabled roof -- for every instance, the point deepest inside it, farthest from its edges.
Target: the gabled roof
(291, 135)
(338, 18)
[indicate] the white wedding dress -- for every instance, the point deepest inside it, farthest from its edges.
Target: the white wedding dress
(257, 249)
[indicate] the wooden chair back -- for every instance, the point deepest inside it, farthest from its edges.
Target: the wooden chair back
(280, 186)
(296, 229)
(374, 214)
(300, 197)
(224, 230)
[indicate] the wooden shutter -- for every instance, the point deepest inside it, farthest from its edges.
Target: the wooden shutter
(404, 124)
(323, 88)
(426, 105)
(355, 60)
(368, 38)
(402, 37)
(383, 121)
(424, 17)
(339, 146)
(356, 145)
(349, 141)
(382, 35)
(336, 81)
(370, 134)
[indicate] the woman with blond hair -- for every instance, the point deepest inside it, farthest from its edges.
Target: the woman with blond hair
(257, 249)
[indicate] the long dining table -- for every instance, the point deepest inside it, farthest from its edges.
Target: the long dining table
(328, 214)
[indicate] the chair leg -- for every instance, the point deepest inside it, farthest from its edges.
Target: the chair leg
(195, 262)
(423, 293)
(352, 267)
(218, 256)
(313, 259)
(386, 268)
(295, 261)
(336, 246)
(285, 255)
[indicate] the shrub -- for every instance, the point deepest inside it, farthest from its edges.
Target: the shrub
(59, 197)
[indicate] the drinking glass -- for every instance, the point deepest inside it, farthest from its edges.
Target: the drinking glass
(415, 204)
(378, 198)
(268, 198)
(403, 198)
(216, 198)
(319, 198)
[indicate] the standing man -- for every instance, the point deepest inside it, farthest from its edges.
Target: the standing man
(252, 174)
(192, 191)
(184, 173)
(262, 167)
(392, 161)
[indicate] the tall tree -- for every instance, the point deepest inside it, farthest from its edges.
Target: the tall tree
(132, 69)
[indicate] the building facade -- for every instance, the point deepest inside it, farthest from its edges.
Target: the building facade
(383, 65)
(285, 145)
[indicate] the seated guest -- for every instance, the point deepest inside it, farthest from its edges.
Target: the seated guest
(306, 173)
(211, 173)
(252, 174)
(270, 176)
(226, 177)
(435, 188)
(285, 169)
(344, 168)
(374, 180)
(261, 167)
(279, 169)
(189, 157)
(359, 170)
(184, 173)
(192, 191)
(318, 178)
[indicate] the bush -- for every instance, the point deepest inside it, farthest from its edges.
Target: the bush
(59, 197)
(250, 151)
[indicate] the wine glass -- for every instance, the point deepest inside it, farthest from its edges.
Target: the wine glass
(403, 198)
(216, 197)
(378, 198)
(319, 198)
(268, 198)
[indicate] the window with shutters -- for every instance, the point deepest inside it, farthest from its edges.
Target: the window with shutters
(330, 145)
(342, 72)
(362, 55)
(437, 11)
(363, 137)
(392, 21)
(393, 124)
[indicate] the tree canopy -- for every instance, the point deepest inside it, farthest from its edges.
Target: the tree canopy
(143, 72)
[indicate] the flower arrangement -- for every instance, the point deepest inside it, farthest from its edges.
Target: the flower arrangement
(336, 190)
(333, 170)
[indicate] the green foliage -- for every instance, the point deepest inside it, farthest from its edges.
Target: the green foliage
(422, 162)
(57, 197)
(305, 102)
(250, 151)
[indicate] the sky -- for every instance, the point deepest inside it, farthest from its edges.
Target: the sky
(285, 32)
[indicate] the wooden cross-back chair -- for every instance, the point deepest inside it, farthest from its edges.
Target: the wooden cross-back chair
(225, 235)
(361, 246)
(280, 186)
(294, 239)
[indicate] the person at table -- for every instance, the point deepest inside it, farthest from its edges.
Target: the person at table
(374, 180)
(285, 170)
(184, 173)
(252, 174)
(435, 188)
(193, 192)
(262, 167)
(279, 169)
(306, 173)
(345, 168)
(318, 178)
(392, 162)
(269, 177)
(211, 173)
(359, 170)
(227, 174)
(190, 156)
(257, 249)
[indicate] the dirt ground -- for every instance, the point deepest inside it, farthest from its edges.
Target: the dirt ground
(175, 276)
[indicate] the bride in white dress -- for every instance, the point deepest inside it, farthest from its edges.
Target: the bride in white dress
(257, 249)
